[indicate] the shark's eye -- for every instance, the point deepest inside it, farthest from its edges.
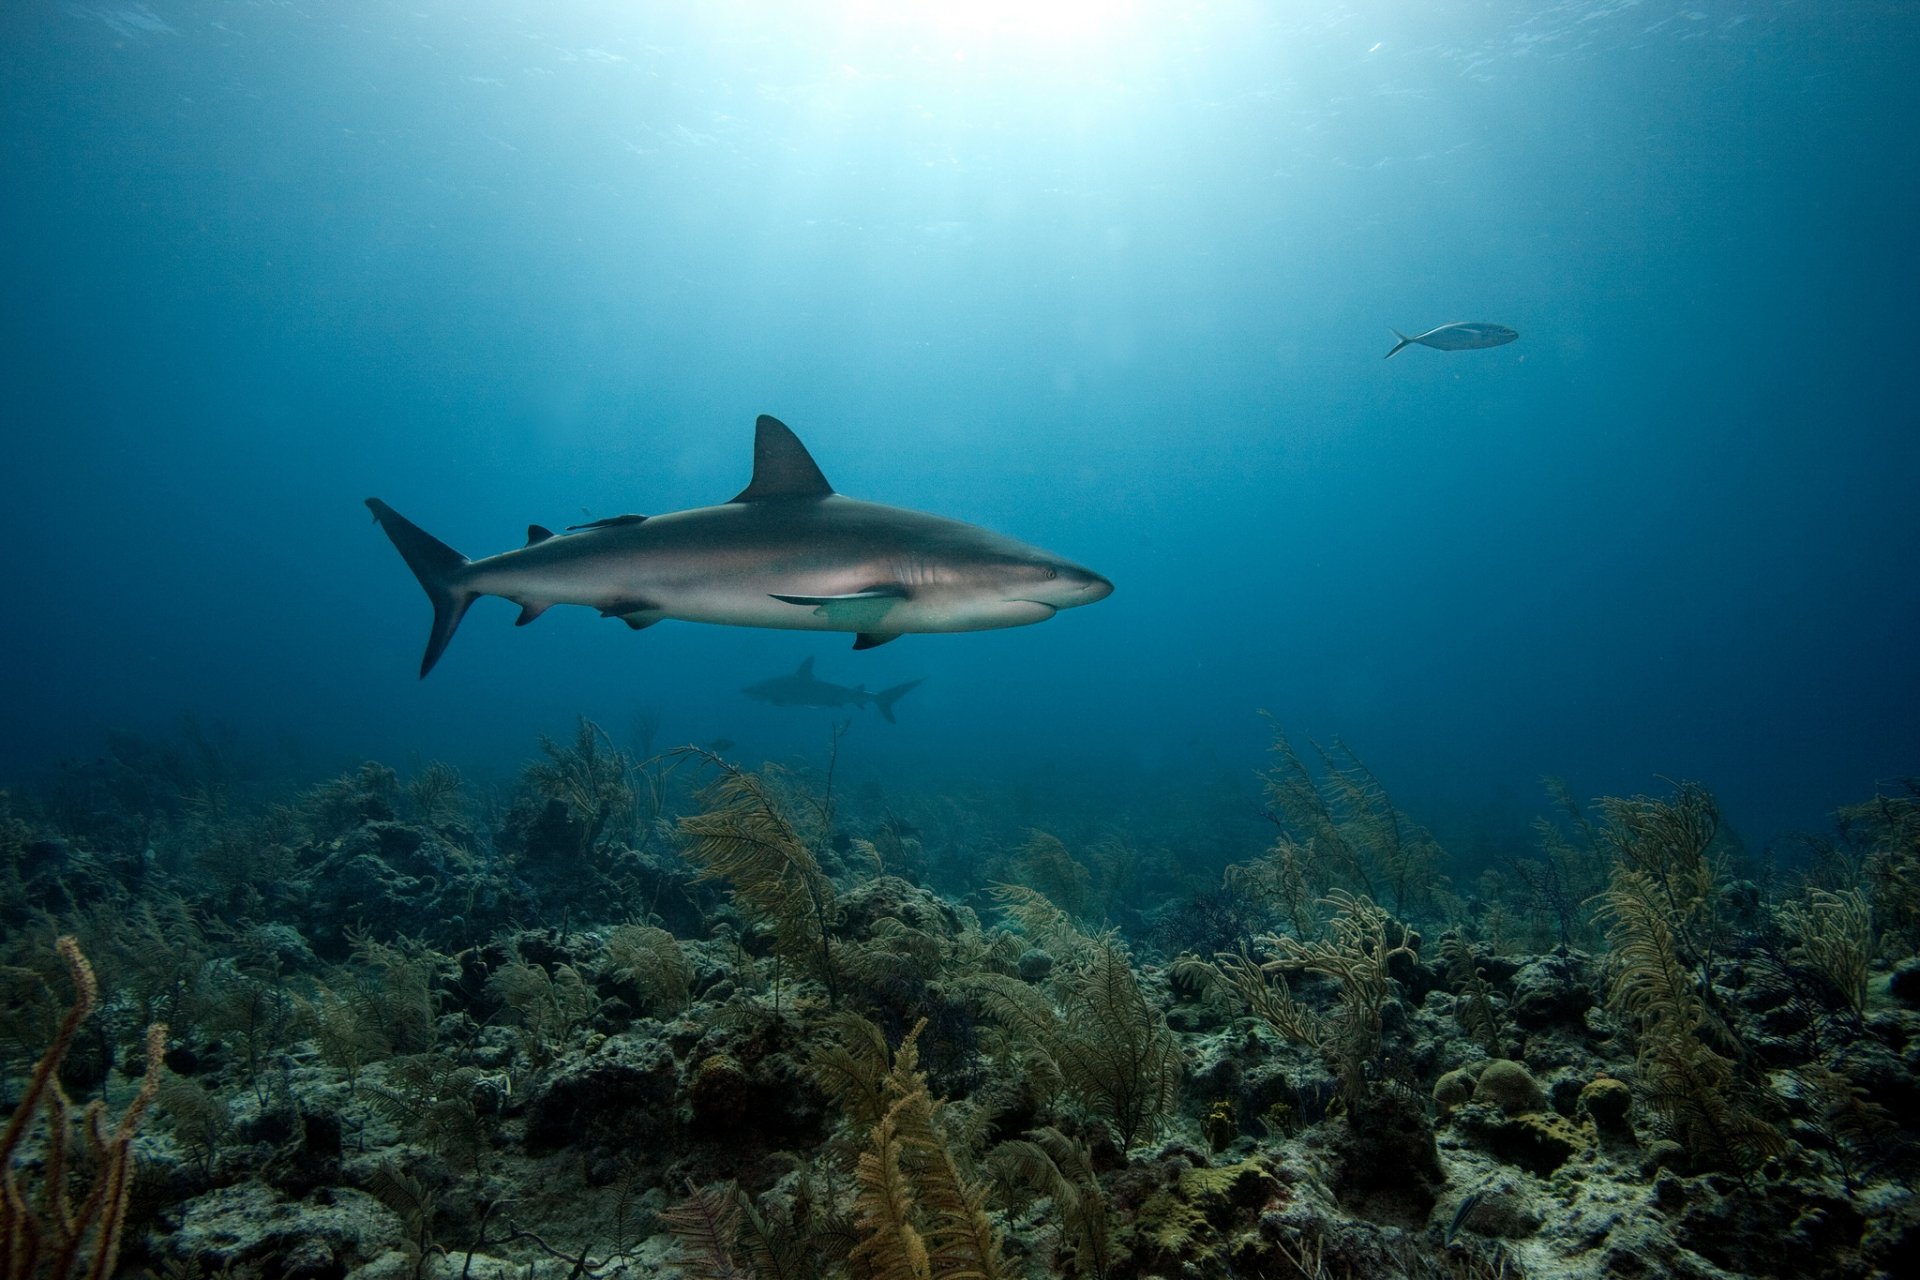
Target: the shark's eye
(1049, 573)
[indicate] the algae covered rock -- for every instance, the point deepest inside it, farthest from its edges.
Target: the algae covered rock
(621, 1096)
(1904, 982)
(1554, 989)
(253, 1226)
(1537, 1141)
(1387, 1164)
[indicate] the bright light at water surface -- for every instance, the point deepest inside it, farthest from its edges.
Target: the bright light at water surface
(1065, 29)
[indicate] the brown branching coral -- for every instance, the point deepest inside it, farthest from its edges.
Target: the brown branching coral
(706, 1226)
(1043, 924)
(1833, 935)
(1660, 905)
(1475, 1009)
(921, 1218)
(44, 1230)
(1887, 831)
(1049, 1163)
(551, 1006)
(1665, 843)
(592, 778)
(1112, 1048)
(745, 838)
(1044, 863)
(651, 959)
(1356, 954)
(1343, 830)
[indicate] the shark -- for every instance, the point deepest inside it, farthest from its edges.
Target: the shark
(786, 552)
(804, 689)
(1461, 335)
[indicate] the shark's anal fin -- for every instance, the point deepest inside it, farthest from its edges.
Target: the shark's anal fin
(855, 611)
(782, 467)
(873, 640)
(528, 612)
(639, 621)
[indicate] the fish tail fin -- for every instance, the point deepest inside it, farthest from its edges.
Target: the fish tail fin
(887, 697)
(1404, 340)
(438, 567)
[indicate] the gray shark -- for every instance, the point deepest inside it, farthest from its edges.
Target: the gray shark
(1461, 335)
(786, 552)
(804, 689)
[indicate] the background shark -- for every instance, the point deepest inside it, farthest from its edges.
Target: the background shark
(786, 552)
(802, 689)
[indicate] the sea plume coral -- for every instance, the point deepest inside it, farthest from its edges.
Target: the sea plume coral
(1110, 1046)
(1661, 909)
(746, 839)
(922, 1219)
(47, 1233)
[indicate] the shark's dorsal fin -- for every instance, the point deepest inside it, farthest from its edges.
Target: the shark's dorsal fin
(538, 533)
(806, 667)
(782, 467)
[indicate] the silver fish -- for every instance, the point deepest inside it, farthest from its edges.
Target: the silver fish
(1461, 335)
(787, 552)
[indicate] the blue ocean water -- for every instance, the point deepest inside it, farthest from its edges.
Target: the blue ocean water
(1115, 279)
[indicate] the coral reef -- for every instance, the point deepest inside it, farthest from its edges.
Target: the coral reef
(675, 1017)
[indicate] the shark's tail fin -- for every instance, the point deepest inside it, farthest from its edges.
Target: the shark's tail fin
(438, 567)
(887, 697)
(1404, 340)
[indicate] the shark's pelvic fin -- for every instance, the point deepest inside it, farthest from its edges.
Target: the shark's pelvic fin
(438, 567)
(528, 612)
(782, 467)
(873, 640)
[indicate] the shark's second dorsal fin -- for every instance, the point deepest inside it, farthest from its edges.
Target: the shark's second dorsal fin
(782, 467)
(806, 668)
(537, 533)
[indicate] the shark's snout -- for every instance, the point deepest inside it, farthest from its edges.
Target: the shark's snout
(1093, 587)
(1067, 586)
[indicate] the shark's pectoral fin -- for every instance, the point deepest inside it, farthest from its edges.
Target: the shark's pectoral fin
(528, 612)
(873, 640)
(855, 611)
